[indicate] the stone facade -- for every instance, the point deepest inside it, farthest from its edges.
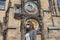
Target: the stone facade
(49, 14)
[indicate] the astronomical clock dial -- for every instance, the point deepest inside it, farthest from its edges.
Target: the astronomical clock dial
(31, 8)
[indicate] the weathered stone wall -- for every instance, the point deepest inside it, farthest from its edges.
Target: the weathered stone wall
(13, 34)
(54, 35)
(56, 21)
(48, 20)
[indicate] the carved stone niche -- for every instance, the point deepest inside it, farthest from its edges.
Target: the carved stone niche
(17, 11)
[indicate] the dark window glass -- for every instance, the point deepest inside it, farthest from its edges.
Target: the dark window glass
(58, 4)
(2, 4)
(2, 0)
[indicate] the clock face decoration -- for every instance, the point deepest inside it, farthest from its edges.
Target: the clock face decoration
(35, 23)
(31, 8)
